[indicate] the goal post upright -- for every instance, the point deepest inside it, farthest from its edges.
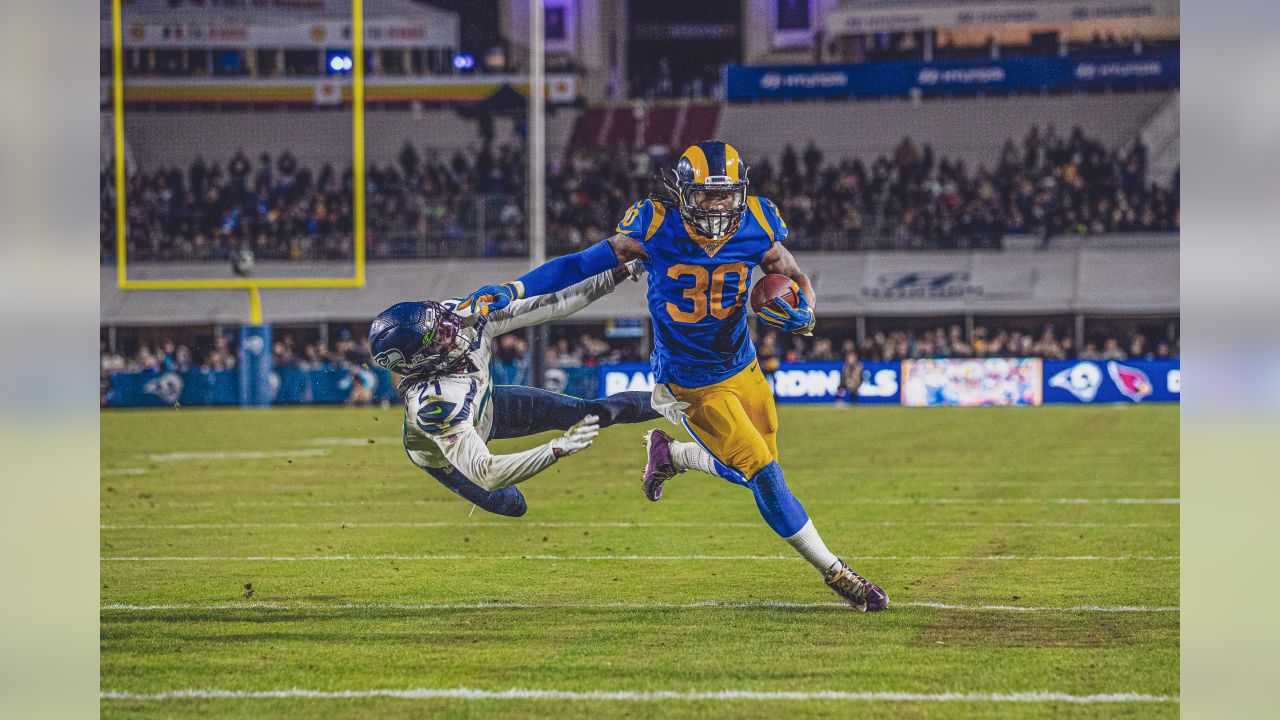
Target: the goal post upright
(255, 332)
(355, 280)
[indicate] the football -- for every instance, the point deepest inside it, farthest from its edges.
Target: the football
(770, 288)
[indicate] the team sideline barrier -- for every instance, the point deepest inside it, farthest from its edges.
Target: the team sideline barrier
(901, 77)
(957, 382)
(912, 383)
(288, 386)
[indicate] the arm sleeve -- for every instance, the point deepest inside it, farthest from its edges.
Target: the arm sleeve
(467, 453)
(560, 273)
(541, 308)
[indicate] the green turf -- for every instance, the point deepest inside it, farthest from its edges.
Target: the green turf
(336, 483)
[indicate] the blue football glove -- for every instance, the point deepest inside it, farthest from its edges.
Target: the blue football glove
(797, 320)
(492, 298)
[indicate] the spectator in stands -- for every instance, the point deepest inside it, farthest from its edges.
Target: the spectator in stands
(1111, 350)
(473, 204)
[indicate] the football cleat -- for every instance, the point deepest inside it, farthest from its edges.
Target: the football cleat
(660, 467)
(861, 593)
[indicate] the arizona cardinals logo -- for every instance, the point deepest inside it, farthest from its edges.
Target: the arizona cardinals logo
(1130, 381)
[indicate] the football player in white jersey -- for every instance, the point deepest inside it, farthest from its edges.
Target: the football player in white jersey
(452, 407)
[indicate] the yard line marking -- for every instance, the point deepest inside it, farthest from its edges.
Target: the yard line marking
(705, 604)
(428, 524)
(879, 501)
(111, 472)
(601, 558)
(621, 524)
(242, 455)
(463, 693)
(1017, 501)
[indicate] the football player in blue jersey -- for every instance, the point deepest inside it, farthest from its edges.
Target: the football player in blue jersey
(699, 246)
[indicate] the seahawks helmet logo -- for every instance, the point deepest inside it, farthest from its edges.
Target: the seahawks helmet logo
(391, 359)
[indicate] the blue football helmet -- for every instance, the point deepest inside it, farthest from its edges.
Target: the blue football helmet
(710, 185)
(419, 339)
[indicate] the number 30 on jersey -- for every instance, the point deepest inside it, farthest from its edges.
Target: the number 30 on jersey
(708, 292)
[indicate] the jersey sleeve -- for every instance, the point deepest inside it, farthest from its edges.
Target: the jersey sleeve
(769, 218)
(467, 452)
(642, 220)
(543, 308)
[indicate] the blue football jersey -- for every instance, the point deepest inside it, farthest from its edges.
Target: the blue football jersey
(698, 289)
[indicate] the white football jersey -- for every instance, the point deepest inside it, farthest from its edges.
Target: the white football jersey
(447, 420)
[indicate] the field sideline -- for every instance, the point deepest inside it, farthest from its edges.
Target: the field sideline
(1031, 554)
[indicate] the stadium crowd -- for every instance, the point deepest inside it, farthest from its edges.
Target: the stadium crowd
(427, 205)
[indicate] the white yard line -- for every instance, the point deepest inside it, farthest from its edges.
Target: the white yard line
(1016, 501)
(112, 472)
(619, 558)
(881, 501)
(237, 455)
(708, 604)
(462, 693)
(516, 524)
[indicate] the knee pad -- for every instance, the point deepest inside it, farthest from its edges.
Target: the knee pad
(508, 501)
(777, 505)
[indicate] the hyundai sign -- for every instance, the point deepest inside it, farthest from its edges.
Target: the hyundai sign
(900, 77)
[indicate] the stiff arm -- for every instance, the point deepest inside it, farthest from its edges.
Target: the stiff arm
(553, 306)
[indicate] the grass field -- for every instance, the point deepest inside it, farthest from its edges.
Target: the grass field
(1026, 551)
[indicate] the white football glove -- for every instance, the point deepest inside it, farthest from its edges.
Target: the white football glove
(635, 269)
(578, 437)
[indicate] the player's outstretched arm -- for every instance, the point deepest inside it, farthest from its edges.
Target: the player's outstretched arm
(556, 274)
(467, 452)
(560, 304)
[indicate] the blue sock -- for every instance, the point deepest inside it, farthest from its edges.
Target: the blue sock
(776, 503)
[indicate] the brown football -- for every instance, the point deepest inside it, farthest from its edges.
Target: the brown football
(770, 288)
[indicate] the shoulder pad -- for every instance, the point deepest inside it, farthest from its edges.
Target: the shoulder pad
(642, 220)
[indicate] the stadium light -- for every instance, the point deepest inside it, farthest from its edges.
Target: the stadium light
(339, 62)
(464, 61)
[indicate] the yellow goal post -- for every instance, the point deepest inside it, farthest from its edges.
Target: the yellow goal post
(253, 285)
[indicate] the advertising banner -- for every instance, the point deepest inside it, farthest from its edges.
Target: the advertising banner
(286, 386)
(1112, 381)
(869, 17)
(807, 382)
(972, 382)
(913, 383)
(900, 77)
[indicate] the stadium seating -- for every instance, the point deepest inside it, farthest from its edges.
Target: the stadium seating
(970, 129)
(162, 139)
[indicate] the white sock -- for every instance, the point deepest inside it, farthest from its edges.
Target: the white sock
(808, 543)
(691, 456)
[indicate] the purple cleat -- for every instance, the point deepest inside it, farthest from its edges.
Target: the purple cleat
(861, 593)
(660, 468)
